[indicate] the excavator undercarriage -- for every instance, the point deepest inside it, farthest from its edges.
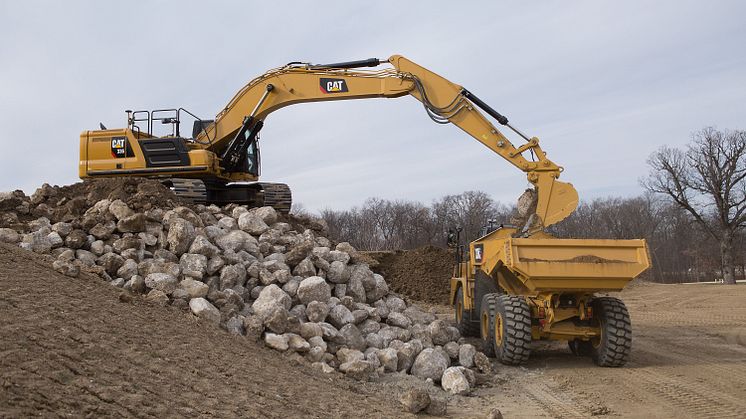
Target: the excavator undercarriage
(253, 194)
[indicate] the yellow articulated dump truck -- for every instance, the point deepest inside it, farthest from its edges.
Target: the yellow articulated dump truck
(514, 289)
(517, 285)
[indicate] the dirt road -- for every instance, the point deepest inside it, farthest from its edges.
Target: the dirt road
(688, 360)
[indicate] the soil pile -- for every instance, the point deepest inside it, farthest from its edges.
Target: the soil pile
(66, 203)
(247, 271)
(72, 347)
(422, 274)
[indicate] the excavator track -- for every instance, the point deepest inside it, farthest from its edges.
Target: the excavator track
(277, 196)
(192, 190)
(256, 194)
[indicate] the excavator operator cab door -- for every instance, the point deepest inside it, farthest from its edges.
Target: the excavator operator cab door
(252, 159)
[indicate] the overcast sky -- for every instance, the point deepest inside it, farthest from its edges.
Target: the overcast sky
(601, 83)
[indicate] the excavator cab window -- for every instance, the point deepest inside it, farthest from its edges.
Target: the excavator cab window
(252, 158)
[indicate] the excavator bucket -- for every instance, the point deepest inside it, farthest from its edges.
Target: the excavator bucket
(556, 200)
(575, 264)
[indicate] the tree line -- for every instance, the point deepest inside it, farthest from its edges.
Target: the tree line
(692, 213)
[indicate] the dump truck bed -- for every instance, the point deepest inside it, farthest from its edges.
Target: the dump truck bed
(575, 264)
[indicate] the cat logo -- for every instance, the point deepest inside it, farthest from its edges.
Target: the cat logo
(333, 86)
(478, 253)
(120, 148)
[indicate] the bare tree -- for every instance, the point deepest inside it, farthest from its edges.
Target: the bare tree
(470, 210)
(707, 180)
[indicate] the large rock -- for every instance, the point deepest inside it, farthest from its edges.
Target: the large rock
(317, 311)
(76, 239)
(297, 343)
(388, 359)
(430, 363)
(305, 268)
(379, 290)
(193, 265)
(126, 271)
(398, 320)
(125, 243)
(38, 242)
(8, 235)
(277, 342)
(441, 332)
(311, 329)
(455, 382)
(275, 318)
(331, 334)
(482, 363)
(452, 349)
(111, 262)
(298, 253)
(271, 296)
(55, 240)
(336, 255)
(236, 241)
(417, 316)
(232, 275)
(163, 282)
(203, 309)
(202, 246)
(352, 336)
(103, 231)
(66, 268)
(195, 289)
(120, 210)
(266, 214)
(314, 288)
(358, 369)
(150, 266)
(355, 287)
(134, 223)
(414, 400)
(135, 284)
(181, 234)
(339, 315)
(338, 273)
(252, 224)
(466, 355)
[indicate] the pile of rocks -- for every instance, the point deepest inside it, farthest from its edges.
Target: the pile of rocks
(255, 275)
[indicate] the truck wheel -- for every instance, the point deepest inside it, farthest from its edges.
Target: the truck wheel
(612, 348)
(511, 329)
(464, 317)
(487, 323)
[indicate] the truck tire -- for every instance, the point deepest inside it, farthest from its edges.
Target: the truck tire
(613, 347)
(464, 317)
(487, 323)
(512, 329)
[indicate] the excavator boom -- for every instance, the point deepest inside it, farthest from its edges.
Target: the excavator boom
(444, 102)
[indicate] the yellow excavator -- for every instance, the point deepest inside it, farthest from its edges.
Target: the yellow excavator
(516, 283)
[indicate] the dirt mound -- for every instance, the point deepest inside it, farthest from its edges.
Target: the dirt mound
(65, 203)
(72, 348)
(422, 274)
(138, 193)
